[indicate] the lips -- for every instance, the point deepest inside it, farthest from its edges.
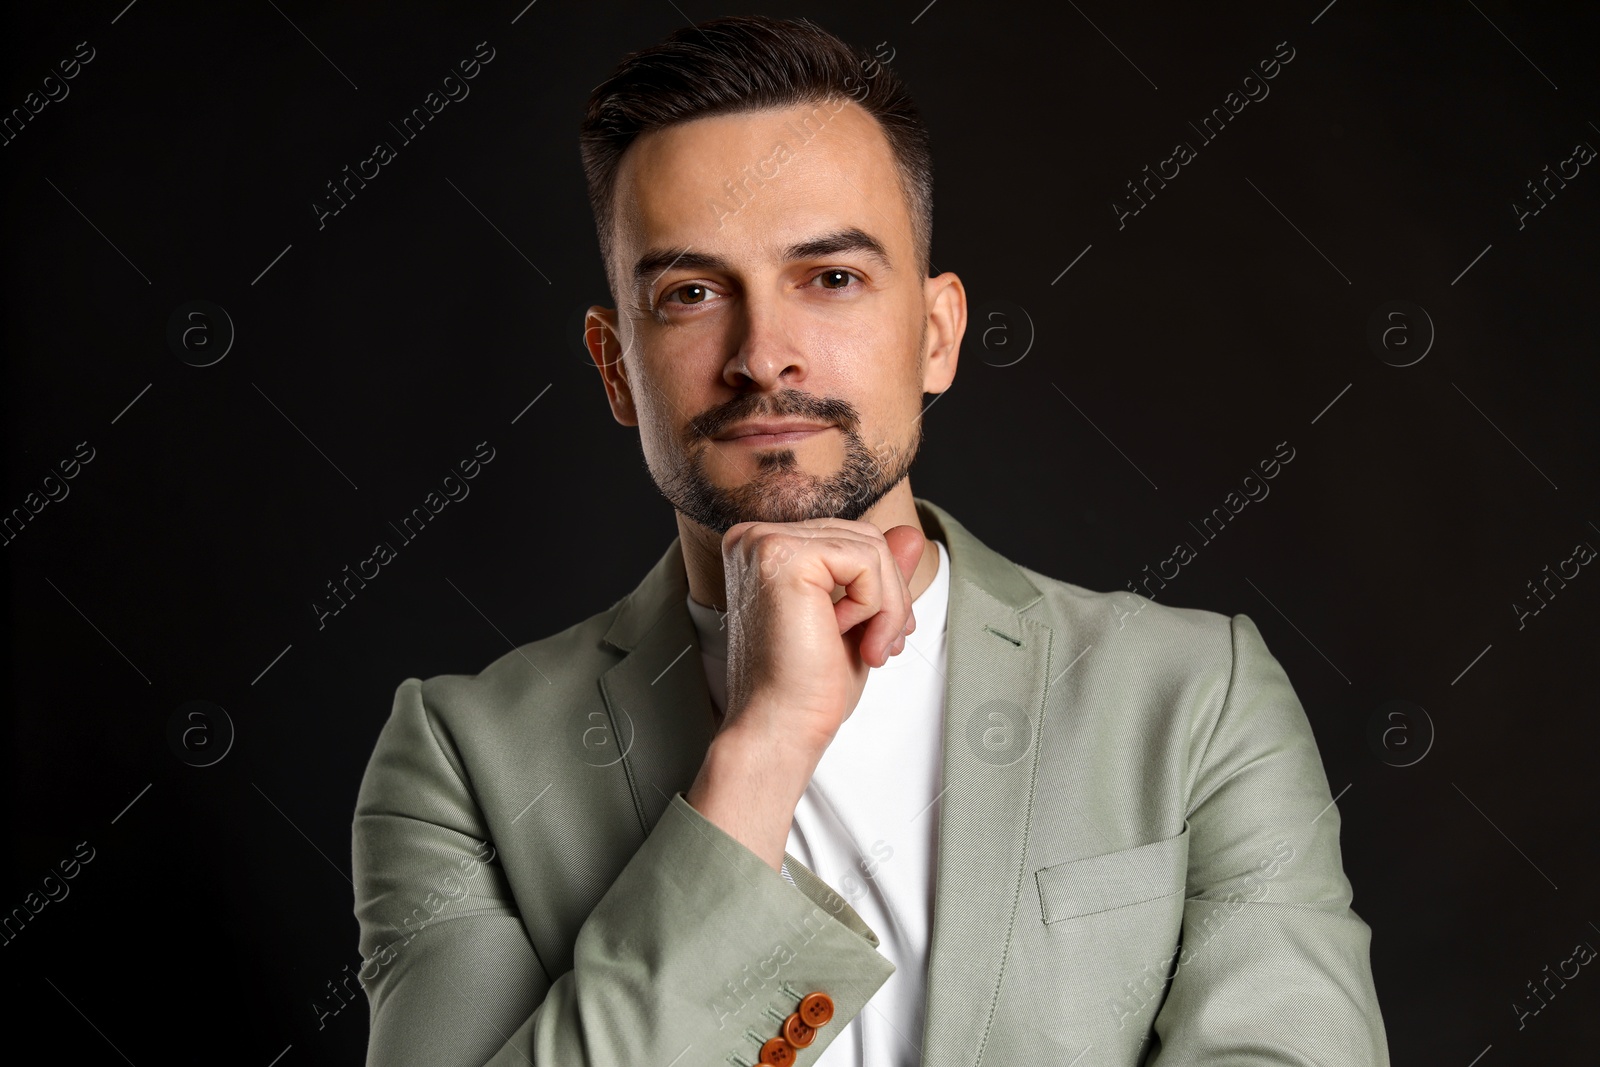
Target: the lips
(768, 429)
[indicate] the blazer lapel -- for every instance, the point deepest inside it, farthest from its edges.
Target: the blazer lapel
(659, 705)
(997, 670)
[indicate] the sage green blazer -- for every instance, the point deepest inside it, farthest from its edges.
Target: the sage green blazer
(1138, 855)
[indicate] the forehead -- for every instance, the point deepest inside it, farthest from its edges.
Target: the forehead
(745, 185)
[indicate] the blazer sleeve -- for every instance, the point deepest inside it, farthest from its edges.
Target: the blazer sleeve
(685, 959)
(1274, 966)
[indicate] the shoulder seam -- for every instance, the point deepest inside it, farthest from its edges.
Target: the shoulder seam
(455, 769)
(1233, 672)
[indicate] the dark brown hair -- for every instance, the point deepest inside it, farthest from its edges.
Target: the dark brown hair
(745, 63)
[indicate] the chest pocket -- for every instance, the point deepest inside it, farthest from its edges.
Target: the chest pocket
(1114, 880)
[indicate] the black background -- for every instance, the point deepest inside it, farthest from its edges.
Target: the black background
(374, 353)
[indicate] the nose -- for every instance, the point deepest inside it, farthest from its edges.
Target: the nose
(766, 352)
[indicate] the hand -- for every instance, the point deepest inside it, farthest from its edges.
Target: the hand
(812, 606)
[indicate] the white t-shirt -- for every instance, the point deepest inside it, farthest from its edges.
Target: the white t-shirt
(868, 825)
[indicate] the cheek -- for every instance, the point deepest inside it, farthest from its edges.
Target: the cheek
(658, 429)
(876, 369)
(663, 405)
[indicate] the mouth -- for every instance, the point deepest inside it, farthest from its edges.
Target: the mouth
(758, 434)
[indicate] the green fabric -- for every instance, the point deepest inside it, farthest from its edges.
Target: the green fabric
(1132, 792)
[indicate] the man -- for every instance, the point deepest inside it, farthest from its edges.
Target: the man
(909, 802)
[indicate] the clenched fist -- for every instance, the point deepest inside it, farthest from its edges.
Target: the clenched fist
(812, 607)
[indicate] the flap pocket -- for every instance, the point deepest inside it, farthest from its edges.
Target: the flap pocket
(1114, 880)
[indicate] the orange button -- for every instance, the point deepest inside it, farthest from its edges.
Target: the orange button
(798, 1032)
(777, 1053)
(816, 1009)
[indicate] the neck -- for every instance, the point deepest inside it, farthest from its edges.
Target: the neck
(702, 548)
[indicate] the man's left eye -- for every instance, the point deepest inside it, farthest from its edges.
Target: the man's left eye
(836, 278)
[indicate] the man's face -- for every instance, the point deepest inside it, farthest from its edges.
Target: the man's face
(765, 272)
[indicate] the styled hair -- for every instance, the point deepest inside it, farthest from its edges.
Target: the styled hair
(748, 63)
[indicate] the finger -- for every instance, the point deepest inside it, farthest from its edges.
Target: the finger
(889, 625)
(858, 567)
(901, 548)
(882, 602)
(907, 544)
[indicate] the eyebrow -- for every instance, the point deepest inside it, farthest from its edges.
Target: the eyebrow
(658, 261)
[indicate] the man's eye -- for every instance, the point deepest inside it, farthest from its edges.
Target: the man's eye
(690, 294)
(836, 278)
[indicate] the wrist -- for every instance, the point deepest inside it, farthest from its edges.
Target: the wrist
(748, 786)
(779, 764)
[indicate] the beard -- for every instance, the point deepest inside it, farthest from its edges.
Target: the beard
(780, 490)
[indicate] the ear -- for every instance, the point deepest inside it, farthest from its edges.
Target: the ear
(946, 300)
(603, 340)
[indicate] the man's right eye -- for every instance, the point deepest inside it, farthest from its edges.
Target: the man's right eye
(690, 294)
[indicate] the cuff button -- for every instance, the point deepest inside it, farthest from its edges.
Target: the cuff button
(798, 1032)
(778, 1052)
(816, 1009)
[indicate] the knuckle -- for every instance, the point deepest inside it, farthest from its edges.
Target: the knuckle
(771, 551)
(773, 543)
(735, 535)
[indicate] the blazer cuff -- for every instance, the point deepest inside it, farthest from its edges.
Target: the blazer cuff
(742, 944)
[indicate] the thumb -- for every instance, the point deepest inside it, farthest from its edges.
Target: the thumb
(905, 545)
